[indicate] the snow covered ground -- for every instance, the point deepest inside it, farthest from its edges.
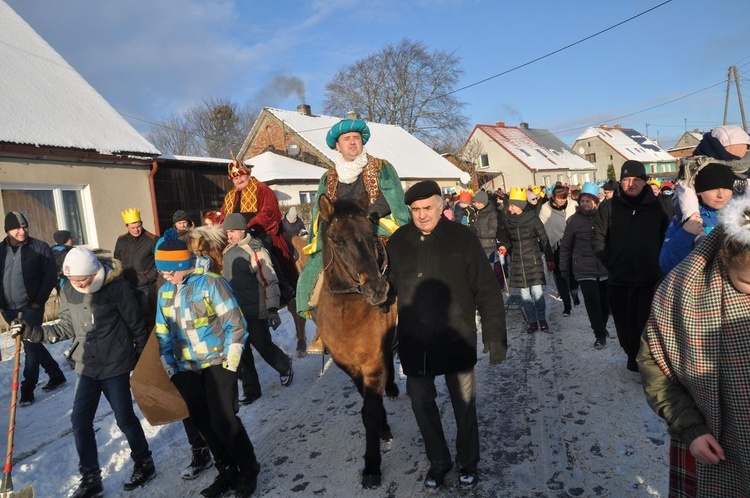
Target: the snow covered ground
(558, 418)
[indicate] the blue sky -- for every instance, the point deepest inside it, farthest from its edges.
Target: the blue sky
(152, 58)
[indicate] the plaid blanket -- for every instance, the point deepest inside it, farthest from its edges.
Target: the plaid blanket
(699, 335)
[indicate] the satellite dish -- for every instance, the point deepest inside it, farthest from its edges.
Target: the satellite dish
(581, 150)
(293, 149)
(464, 178)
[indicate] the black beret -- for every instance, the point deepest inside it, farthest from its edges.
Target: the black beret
(421, 190)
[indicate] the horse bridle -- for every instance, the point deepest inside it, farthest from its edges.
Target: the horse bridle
(356, 286)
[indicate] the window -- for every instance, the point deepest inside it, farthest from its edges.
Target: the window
(307, 197)
(590, 158)
(540, 151)
(52, 208)
(545, 180)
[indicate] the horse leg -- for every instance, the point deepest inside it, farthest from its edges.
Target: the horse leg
(391, 389)
(373, 417)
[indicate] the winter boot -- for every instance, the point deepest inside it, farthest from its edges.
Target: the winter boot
(223, 482)
(600, 342)
(576, 300)
(201, 460)
(53, 384)
(143, 472)
(543, 325)
(566, 309)
(532, 327)
(90, 486)
(247, 479)
(286, 378)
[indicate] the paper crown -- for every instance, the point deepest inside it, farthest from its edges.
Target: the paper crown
(517, 194)
(131, 215)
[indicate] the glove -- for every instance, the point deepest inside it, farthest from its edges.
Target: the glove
(33, 334)
(502, 251)
(551, 265)
(274, 320)
(496, 351)
(17, 327)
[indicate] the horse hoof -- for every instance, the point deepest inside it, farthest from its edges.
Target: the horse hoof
(392, 391)
(386, 436)
(371, 481)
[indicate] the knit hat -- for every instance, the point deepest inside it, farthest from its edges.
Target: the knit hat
(481, 197)
(173, 254)
(654, 181)
(346, 126)
(714, 176)
(80, 262)
(531, 195)
(517, 197)
(235, 221)
(633, 169)
(730, 135)
(15, 219)
(421, 190)
(292, 213)
(61, 237)
(180, 215)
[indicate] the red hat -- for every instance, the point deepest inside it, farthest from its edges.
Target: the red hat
(236, 168)
(465, 196)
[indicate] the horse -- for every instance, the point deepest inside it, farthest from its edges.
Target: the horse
(356, 316)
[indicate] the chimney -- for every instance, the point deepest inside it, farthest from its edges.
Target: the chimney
(524, 126)
(352, 115)
(304, 109)
(618, 127)
(501, 124)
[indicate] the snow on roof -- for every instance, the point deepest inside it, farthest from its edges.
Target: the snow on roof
(45, 102)
(411, 158)
(534, 155)
(195, 159)
(628, 142)
(269, 166)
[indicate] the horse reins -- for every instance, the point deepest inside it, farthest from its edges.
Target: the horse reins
(356, 286)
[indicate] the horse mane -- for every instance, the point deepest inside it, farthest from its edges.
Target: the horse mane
(208, 241)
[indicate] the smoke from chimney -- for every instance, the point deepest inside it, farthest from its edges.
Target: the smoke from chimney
(281, 87)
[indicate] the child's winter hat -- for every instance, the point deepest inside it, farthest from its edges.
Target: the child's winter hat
(80, 262)
(730, 135)
(173, 254)
(481, 197)
(714, 176)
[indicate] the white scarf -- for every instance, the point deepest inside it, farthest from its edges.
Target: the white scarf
(97, 284)
(349, 171)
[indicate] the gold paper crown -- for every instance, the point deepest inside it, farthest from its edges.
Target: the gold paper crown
(132, 215)
(517, 194)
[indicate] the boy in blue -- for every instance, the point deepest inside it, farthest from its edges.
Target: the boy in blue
(713, 185)
(201, 335)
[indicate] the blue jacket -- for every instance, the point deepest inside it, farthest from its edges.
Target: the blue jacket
(39, 270)
(678, 242)
(199, 324)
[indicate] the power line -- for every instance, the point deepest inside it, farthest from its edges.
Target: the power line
(550, 53)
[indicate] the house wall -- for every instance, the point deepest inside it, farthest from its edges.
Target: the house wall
(605, 155)
(271, 133)
(111, 188)
(514, 172)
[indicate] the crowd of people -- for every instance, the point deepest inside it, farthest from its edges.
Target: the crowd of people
(666, 258)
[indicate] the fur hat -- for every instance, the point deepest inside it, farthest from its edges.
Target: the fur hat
(346, 126)
(173, 254)
(81, 262)
(235, 221)
(61, 237)
(633, 169)
(15, 219)
(421, 190)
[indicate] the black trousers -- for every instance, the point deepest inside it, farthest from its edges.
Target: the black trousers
(462, 389)
(211, 399)
(596, 298)
(259, 336)
(630, 309)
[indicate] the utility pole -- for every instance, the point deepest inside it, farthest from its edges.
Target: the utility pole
(732, 74)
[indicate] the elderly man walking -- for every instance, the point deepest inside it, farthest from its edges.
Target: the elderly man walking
(441, 274)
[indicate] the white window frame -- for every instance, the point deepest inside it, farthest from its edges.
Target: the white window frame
(87, 208)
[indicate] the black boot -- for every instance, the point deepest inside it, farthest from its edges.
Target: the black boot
(90, 486)
(143, 472)
(201, 460)
(226, 480)
(247, 479)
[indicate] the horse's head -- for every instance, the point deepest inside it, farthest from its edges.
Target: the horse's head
(209, 241)
(352, 251)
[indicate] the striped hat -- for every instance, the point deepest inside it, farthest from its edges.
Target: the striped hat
(173, 254)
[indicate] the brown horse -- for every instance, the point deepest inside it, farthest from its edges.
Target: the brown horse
(356, 316)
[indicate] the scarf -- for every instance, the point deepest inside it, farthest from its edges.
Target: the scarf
(369, 174)
(248, 199)
(348, 171)
(698, 335)
(99, 278)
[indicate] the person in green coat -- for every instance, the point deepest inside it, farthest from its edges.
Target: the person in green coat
(355, 173)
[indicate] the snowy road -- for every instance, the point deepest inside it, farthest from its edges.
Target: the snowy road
(557, 419)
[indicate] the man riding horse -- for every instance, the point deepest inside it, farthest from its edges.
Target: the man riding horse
(355, 173)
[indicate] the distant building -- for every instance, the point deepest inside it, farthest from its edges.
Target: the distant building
(298, 140)
(521, 156)
(608, 147)
(67, 158)
(686, 144)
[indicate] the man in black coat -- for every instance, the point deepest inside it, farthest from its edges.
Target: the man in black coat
(441, 275)
(27, 277)
(628, 234)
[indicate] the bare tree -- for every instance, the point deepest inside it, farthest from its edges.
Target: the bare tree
(405, 85)
(209, 129)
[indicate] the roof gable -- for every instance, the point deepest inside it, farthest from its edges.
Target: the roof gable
(411, 158)
(47, 103)
(629, 143)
